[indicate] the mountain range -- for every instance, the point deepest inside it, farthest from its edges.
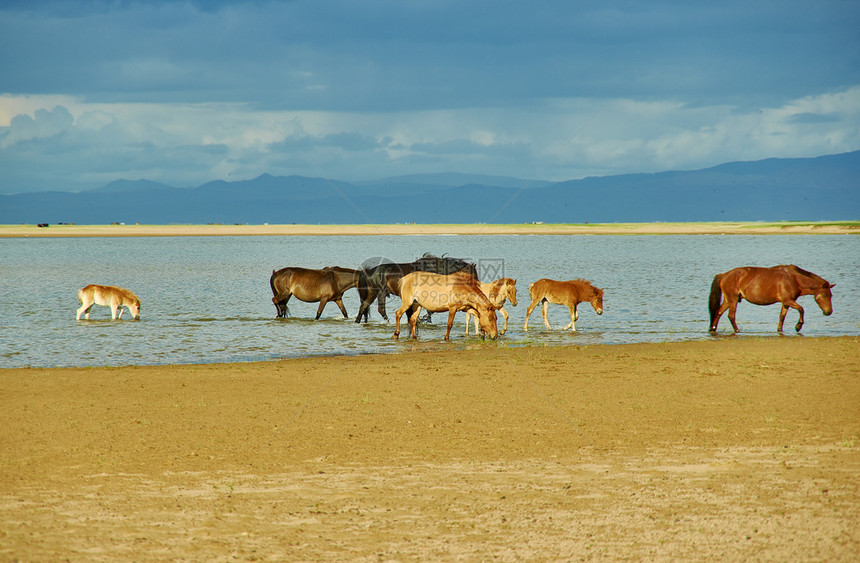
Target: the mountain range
(825, 188)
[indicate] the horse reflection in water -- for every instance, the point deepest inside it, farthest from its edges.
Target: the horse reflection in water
(766, 286)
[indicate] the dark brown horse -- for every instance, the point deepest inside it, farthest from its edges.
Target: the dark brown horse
(380, 281)
(327, 284)
(766, 286)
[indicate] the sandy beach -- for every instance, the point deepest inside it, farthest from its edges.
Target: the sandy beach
(851, 227)
(731, 449)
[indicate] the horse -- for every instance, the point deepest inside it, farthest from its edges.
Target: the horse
(497, 292)
(766, 286)
(380, 281)
(310, 286)
(570, 293)
(108, 296)
(452, 293)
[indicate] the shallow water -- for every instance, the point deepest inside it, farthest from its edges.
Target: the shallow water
(207, 299)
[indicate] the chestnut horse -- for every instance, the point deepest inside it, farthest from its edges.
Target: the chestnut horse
(108, 296)
(452, 293)
(570, 293)
(497, 292)
(310, 286)
(766, 286)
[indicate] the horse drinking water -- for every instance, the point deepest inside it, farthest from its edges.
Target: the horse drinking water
(766, 286)
(452, 293)
(108, 296)
(497, 292)
(570, 293)
(382, 280)
(310, 286)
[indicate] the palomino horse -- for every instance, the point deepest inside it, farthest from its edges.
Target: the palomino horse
(108, 296)
(497, 292)
(310, 286)
(570, 293)
(452, 293)
(766, 286)
(383, 280)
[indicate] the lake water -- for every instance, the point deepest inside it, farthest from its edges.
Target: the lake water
(207, 299)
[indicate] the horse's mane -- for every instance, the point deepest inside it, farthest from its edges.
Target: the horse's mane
(129, 294)
(456, 262)
(806, 273)
(588, 284)
(803, 272)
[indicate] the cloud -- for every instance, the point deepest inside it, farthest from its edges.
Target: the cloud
(187, 92)
(92, 144)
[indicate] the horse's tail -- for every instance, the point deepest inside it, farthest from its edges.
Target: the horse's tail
(716, 298)
(361, 285)
(272, 282)
(531, 290)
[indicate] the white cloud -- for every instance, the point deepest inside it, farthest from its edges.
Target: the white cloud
(188, 144)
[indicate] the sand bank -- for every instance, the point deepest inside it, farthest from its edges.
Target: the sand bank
(731, 449)
(519, 229)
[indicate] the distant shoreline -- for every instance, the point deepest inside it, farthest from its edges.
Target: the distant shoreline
(722, 228)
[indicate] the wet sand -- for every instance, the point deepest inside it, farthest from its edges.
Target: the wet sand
(413, 229)
(730, 449)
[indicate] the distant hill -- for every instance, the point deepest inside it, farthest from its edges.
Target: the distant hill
(805, 189)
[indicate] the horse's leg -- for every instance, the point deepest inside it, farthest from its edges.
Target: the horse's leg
(363, 309)
(413, 322)
(468, 321)
(380, 305)
(794, 305)
(323, 303)
(504, 314)
(531, 308)
(83, 309)
(120, 309)
(719, 313)
(339, 303)
(113, 311)
(451, 314)
(573, 317)
(733, 307)
(280, 302)
(397, 314)
(544, 307)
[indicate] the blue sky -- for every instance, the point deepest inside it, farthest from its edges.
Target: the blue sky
(188, 92)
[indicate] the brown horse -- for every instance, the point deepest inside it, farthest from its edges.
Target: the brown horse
(570, 293)
(497, 292)
(310, 286)
(108, 296)
(452, 293)
(766, 286)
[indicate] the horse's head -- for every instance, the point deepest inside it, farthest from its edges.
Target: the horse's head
(597, 301)
(134, 308)
(487, 318)
(512, 291)
(823, 297)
